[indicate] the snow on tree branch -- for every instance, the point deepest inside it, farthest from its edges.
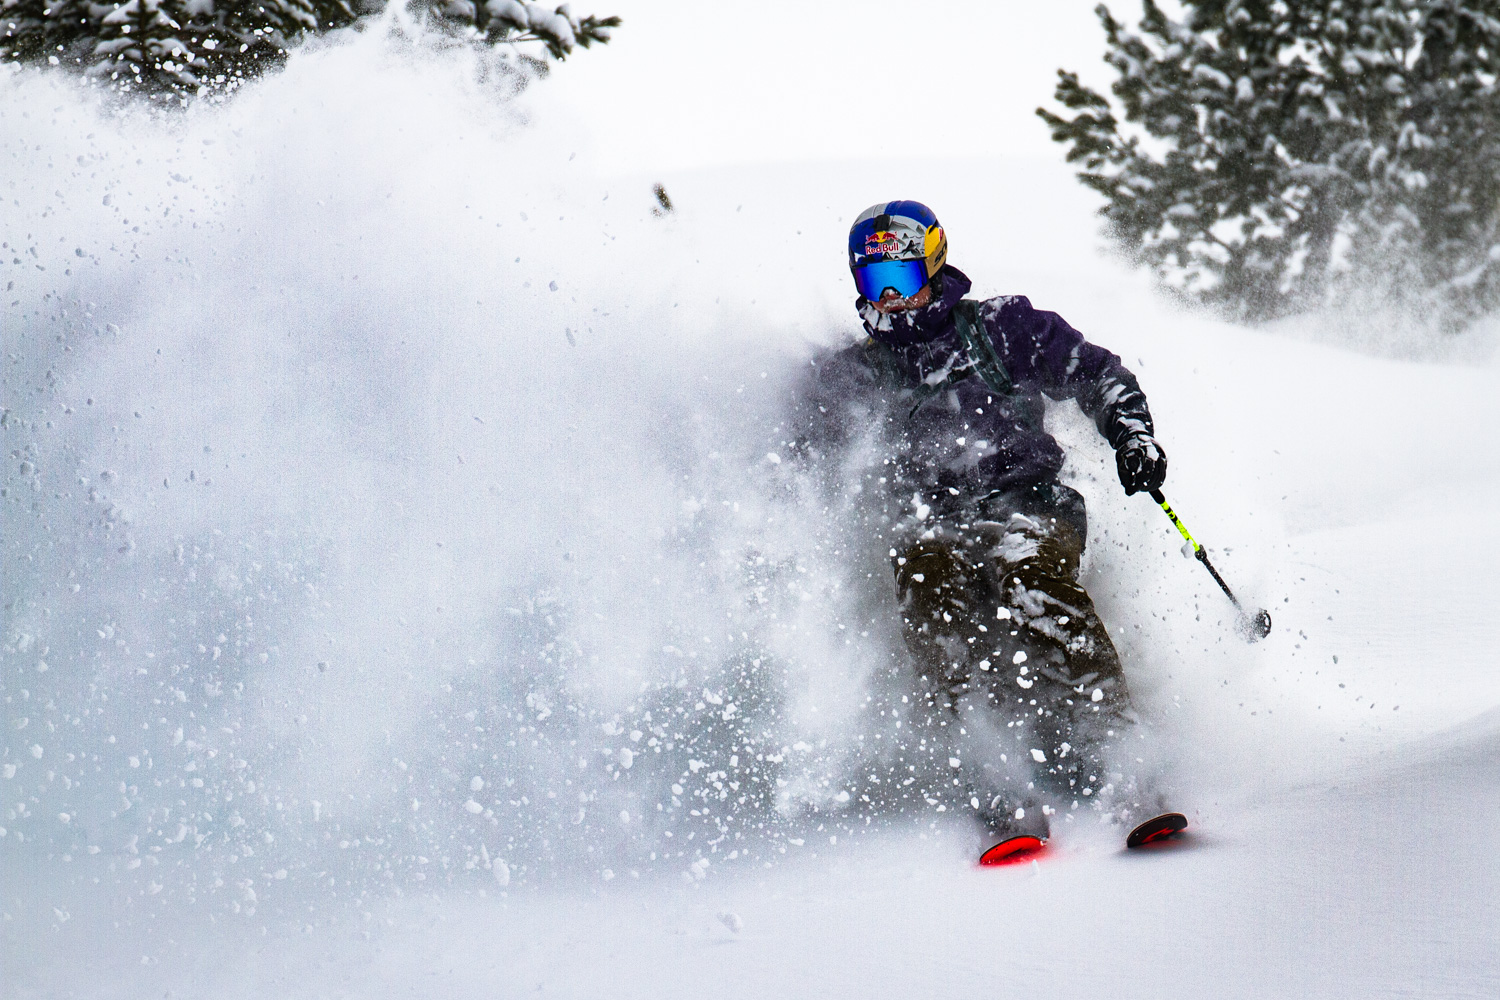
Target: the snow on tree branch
(1266, 156)
(174, 48)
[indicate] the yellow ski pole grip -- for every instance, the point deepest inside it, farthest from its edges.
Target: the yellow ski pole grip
(1157, 496)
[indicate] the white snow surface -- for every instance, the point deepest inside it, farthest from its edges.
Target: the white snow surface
(375, 464)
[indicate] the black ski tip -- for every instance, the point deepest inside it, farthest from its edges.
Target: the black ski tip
(1015, 849)
(1157, 829)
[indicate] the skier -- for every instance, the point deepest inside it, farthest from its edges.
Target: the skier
(1016, 669)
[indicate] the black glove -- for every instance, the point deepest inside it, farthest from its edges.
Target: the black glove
(1142, 464)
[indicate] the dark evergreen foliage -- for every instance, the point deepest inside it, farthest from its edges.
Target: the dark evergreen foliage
(1279, 155)
(178, 47)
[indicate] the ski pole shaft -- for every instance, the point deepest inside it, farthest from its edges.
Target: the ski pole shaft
(1256, 627)
(1198, 551)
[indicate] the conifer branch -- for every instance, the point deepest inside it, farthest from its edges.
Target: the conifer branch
(1373, 121)
(177, 48)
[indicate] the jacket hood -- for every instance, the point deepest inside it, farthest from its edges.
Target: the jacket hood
(918, 326)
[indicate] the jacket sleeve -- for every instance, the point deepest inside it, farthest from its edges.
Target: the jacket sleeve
(1041, 351)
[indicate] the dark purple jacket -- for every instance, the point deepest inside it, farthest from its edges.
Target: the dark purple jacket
(965, 438)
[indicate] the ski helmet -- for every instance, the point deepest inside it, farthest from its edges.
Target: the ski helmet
(897, 245)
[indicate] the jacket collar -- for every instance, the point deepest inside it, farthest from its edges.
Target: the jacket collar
(918, 326)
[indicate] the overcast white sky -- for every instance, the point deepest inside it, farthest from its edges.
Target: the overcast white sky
(687, 84)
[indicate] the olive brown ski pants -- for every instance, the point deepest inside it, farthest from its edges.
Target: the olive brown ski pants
(1010, 650)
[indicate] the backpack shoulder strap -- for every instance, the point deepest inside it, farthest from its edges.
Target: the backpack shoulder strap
(979, 347)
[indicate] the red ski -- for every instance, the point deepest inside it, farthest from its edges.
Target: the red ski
(1014, 850)
(1157, 830)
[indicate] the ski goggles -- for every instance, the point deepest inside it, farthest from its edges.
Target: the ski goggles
(906, 277)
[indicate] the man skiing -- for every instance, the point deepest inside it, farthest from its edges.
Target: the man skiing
(1018, 674)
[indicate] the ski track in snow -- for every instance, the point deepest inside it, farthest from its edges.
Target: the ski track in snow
(375, 464)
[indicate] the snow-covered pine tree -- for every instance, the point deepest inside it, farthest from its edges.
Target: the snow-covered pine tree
(517, 21)
(1280, 155)
(23, 29)
(173, 48)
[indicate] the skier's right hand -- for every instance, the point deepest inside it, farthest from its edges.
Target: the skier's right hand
(1141, 463)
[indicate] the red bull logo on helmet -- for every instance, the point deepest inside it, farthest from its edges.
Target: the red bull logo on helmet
(881, 242)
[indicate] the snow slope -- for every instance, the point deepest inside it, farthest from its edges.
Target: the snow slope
(376, 463)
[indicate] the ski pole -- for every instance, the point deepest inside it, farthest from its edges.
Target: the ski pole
(1253, 628)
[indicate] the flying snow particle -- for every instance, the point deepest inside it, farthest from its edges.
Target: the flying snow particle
(502, 872)
(624, 816)
(1019, 658)
(476, 784)
(954, 762)
(731, 921)
(36, 750)
(474, 807)
(1038, 756)
(1098, 695)
(627, 757)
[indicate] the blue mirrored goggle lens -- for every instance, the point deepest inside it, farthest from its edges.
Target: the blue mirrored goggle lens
(905, 276)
